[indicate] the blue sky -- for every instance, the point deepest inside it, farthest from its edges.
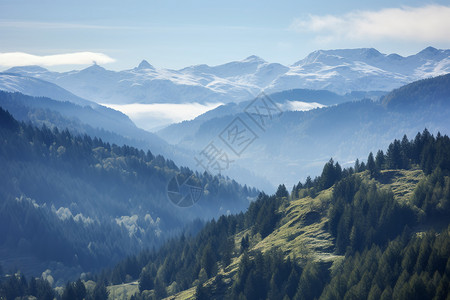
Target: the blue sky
(175, 34)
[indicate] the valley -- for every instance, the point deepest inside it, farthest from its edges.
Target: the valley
(94, 207)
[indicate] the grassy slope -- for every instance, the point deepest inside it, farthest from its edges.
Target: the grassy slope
(123, 291)
(302, 232)
(401, 182)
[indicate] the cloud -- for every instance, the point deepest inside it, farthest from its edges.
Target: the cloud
(155, 116)
(13, 59)
(300, 106)
(422, 24)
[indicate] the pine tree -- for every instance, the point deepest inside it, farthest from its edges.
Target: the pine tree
(100, 292)
(69, 292)
(160, 289)
(330, 174)
(379, 160)
(371, 166)
(80, 289)
(244, 243)
(282, 191)
(201, 293)
(357, 166)
(145, 280)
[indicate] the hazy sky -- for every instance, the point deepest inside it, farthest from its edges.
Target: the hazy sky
(175, 34)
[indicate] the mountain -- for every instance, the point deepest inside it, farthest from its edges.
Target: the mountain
(341, 71)
(378, 231)
(365, 69)
(324, 97)
(296, 143)
(11, 82)
(111, 125)
(108, 124)
(41, 102)
(434, 91)
(144, 65)
(73, 203)
(289, 100)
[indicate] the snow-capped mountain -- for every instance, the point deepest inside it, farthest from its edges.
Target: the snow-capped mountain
(361, 69)
(339, 71)
(10, 82)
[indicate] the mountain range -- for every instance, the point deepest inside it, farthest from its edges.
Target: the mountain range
(348, 127)
(341, 71)
(54, 106)
(295, 143)
(49, 104)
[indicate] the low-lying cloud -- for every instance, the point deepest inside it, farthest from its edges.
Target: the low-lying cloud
(155, 116)
(420, 24)
(13, 59)
(300, 105)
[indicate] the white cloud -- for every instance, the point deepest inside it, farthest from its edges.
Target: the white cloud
(155, 116)
(429, 23)
(13, 59)
(300, 106)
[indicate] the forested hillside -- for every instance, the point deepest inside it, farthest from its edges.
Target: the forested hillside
(81, 118)
(74, 204)
(378, 230)
(302, 141)
(434, 91)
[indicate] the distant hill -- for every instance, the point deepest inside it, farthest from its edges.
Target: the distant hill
(286, 100)
(420, 94)
(297, 143)
(324, 97)
(110, 125)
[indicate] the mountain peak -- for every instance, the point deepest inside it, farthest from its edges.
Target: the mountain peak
(32, 69)
(94, 68)
(429, 51)
(254, 58)
(335, 56)
(144, 65)
(371, 52)
(357, 53)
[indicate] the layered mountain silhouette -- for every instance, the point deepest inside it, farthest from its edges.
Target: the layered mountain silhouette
(340, 71)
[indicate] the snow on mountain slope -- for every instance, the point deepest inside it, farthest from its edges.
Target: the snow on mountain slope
(87, 112)
(340, 71)
(36, 87)
(362, 69)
